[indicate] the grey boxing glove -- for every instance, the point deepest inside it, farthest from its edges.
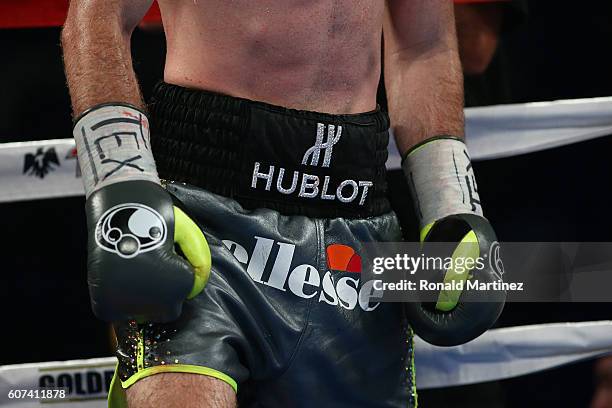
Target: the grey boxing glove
(134, 272)
(443, 187)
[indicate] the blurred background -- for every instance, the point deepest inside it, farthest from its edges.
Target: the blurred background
(512, 52)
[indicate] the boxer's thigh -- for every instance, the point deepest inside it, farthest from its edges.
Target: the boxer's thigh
(193, 361)
(181, 390)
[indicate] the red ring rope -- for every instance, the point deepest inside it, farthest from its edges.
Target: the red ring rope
(44, 13)
(52, 13)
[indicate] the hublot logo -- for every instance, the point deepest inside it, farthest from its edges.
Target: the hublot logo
(306, 185)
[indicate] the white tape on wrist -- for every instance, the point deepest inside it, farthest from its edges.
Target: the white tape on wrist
(441, 180)
(113, 145)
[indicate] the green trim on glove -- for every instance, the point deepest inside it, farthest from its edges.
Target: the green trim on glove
(467, 249)
(189, 237)
(425, 231)
(427, 141)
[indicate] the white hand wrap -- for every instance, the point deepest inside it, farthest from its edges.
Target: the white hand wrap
(113, 145)
(441, 180)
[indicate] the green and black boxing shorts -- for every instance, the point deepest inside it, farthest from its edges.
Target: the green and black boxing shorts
(286, 200)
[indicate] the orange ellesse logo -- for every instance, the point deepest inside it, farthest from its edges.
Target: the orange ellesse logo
(343, 258)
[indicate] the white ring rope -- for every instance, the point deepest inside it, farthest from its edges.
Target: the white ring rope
(496, 355)
(511, 352)
(494, 132)
(48, 169)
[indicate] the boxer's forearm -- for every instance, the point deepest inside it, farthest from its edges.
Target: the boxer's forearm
(97, 56)
(422, 71)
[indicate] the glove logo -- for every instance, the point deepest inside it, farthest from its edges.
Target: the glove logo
(495, 259)
(130, 229)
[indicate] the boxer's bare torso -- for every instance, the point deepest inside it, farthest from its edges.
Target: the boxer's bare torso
(320, 55)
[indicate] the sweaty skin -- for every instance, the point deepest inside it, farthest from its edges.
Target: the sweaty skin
(318, 55)
(321, 55)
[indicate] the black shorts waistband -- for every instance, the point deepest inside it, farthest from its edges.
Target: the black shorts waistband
(296, 162)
